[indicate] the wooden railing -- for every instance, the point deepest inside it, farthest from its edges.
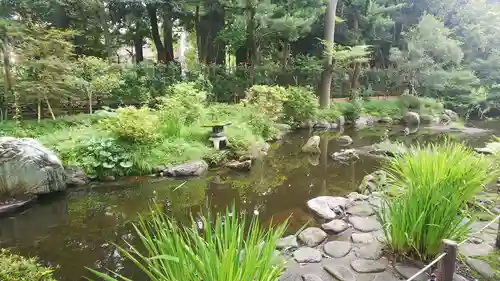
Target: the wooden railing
(447, 259)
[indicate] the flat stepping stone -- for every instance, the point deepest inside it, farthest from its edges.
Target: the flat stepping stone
(386, 276)
(361, 210)
(312, 236)
(481, 267)
(369, 266)
(371, 251)
(408, 271)
(287, 242)
(337, 249)
(307, 255)
(323, 206)
(311, 277)
(365, 224)
(362, 238)
(335, 226)
(472, 249)
(354, 196)
(340, 272)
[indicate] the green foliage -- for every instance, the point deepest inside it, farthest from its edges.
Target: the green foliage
(434, 182)
(270, 99)
(132, 125)
(351, 110)
(383, 108)
(102, 157)
(231, 248)
(17, 268)
(301, 105)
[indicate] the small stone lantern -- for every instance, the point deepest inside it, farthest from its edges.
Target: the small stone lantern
(217, 136)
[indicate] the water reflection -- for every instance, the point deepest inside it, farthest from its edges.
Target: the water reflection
(80, 228)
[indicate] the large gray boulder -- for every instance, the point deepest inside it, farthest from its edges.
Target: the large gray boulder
(27, 167)
(190, 169)
(452, 114)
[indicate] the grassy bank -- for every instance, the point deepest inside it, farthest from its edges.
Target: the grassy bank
(133, 141)
(18, 268)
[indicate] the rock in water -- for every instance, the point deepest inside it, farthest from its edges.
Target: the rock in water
(323, 206)
(75, 176)
(345, 140)
(312, 145)
(26, 166)
(190, 169)
(412, 118)
(243, 166)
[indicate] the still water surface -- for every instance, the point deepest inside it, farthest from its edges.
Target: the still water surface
(77, 229)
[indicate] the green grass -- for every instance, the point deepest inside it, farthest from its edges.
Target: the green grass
(435, 182)
(231, 248)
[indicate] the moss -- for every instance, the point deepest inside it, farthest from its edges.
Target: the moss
(17, 268)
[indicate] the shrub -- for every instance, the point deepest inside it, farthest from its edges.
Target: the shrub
(351, 110)
(102, 157)
(301, 105)
(17, 268)
(383, 108)
(132, 124)
(228, 249)
(435, 182)
(269, 98)
(184, 101)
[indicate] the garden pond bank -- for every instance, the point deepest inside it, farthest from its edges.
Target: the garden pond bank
(78, 228)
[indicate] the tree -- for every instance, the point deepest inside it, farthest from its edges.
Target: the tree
(326, 77)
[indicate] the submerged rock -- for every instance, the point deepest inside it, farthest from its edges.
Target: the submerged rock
(345, 155)
(27, 167)
(190, 169)
(366, 121)
(243, 166)
(312, 145)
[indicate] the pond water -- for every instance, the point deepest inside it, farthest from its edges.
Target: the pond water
(79, 228)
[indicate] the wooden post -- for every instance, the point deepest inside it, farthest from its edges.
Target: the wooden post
(497, 244)
(447, 264)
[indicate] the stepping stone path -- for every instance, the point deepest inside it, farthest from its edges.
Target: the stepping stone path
(369, 266)
(481, 267)
(287, 242)
(323, 206)
(335, 226)
(337, 249)
(361, 210)
(311, 277)
(359, 258)
(312, 236)
(306, 255)
(362, 238)
(408, 271)
(371, 251)
(365, 224)
(340, 272)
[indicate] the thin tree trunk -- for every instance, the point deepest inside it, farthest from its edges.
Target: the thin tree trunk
(103, 17)
(8, 76)
(155, 34)
(50, 109)
(251, 40)
(354, 80)
(38, 109)
(89, 93)
(139, 53)
(326, 77)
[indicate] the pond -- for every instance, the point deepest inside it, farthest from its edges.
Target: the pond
(79, 228)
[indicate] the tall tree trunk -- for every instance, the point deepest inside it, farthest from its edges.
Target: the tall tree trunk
(241, 55)
(103, 18)
(326, 77)
(155, 34)
(251, 40)
(168, 38)
(139, 52)
(8, 77)
(210, 48)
